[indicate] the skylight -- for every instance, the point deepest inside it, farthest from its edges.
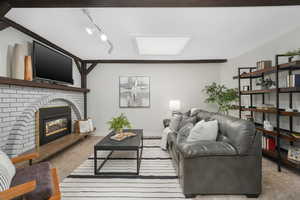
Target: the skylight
(161, 45)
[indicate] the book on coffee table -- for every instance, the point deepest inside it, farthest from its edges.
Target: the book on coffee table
(122, 136)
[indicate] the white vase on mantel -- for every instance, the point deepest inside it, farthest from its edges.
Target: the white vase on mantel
(18, 63)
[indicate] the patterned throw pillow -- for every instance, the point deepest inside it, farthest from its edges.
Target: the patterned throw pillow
(7, 171)
(184, 132)
(4, 179)
(185, 120)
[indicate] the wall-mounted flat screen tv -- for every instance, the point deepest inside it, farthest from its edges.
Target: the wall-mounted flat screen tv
(51, 65)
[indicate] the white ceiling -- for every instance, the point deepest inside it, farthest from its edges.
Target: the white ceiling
(213, 32)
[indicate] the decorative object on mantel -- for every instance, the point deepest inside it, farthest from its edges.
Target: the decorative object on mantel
(134, 91)
(264, 64)
(221, 95)
(18, 58)
(266, 83)
(117, 124)
(295, 54)
(28, 68)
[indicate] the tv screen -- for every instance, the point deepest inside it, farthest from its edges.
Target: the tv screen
(51, 65)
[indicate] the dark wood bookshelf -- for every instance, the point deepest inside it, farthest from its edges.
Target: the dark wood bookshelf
(259, 73)
(18, 82)
(278, 133)
(284, 158)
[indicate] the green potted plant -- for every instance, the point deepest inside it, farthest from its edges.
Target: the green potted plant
(117, 124)
(295, 54)
(221, 95)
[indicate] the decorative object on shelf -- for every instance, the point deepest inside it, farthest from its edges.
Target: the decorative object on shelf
(122, 136)
(18, 58)
(294, 154)
(221, 95)
(134, 91)
(293, 80)
(266, 83)
(295, 54)
(263, 64)
(268, 126)
(246, 88)
(28, 68)
(174, 106)
(117, 124)
(249, 118)
(268, 143)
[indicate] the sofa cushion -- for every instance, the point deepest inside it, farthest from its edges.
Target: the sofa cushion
(184, 132)
(206, 148)
(185, 120)
(7, 171)
(204, 131)
(41, 174)
(240, 133)
(175, 121)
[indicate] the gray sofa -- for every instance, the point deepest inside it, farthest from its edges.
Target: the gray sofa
(230, 165)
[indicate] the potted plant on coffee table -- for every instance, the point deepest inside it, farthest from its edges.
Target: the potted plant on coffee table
(117, 124)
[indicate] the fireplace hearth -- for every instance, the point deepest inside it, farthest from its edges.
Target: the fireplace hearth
(54, 122)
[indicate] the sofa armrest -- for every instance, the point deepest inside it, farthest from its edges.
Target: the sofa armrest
(18, 190)
(25, 157)
(206, 148)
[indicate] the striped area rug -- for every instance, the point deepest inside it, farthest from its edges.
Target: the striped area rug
(157, 178)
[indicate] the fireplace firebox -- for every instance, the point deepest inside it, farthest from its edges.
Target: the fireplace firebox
(54, 122)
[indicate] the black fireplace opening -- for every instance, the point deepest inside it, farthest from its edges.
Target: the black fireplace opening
(54, 122)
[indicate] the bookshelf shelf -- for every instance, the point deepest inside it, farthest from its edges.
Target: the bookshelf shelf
(278, 134)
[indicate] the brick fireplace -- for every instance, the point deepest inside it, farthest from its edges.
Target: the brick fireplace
(18, 108)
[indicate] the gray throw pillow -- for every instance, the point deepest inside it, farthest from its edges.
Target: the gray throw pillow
(185, 120)
(204, 131)
(175, 121)
(184, 132)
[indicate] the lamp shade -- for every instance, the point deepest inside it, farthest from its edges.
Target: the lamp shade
(174, 105)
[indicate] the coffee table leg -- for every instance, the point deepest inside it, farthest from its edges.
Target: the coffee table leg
(137, 162)
(95, 161)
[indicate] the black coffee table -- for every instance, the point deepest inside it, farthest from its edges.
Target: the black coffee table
(129, 144)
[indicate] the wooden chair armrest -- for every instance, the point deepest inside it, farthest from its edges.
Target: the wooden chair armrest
(56, 191)
(18, 190)
(25, 157)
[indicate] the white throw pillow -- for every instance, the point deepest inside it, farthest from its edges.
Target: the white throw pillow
(204, 131)
(7, 171)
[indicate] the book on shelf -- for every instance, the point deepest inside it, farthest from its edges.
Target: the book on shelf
(296, 135)
(293, 80)
(294, 154)
(268, 143)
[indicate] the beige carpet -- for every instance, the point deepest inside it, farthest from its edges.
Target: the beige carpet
(276, 186)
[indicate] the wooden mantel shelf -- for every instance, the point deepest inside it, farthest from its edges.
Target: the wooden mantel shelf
(18, 82)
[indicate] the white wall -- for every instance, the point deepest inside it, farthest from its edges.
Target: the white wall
(168, 81)
(8, 38)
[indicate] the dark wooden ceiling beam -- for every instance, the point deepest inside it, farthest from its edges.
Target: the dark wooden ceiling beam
(91, 67)
(3, 25)
(158, 61)
(78, 65)
(4, 8)
(37, 37)
(150, 3)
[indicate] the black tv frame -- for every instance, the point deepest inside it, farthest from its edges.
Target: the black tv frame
(36, 78)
